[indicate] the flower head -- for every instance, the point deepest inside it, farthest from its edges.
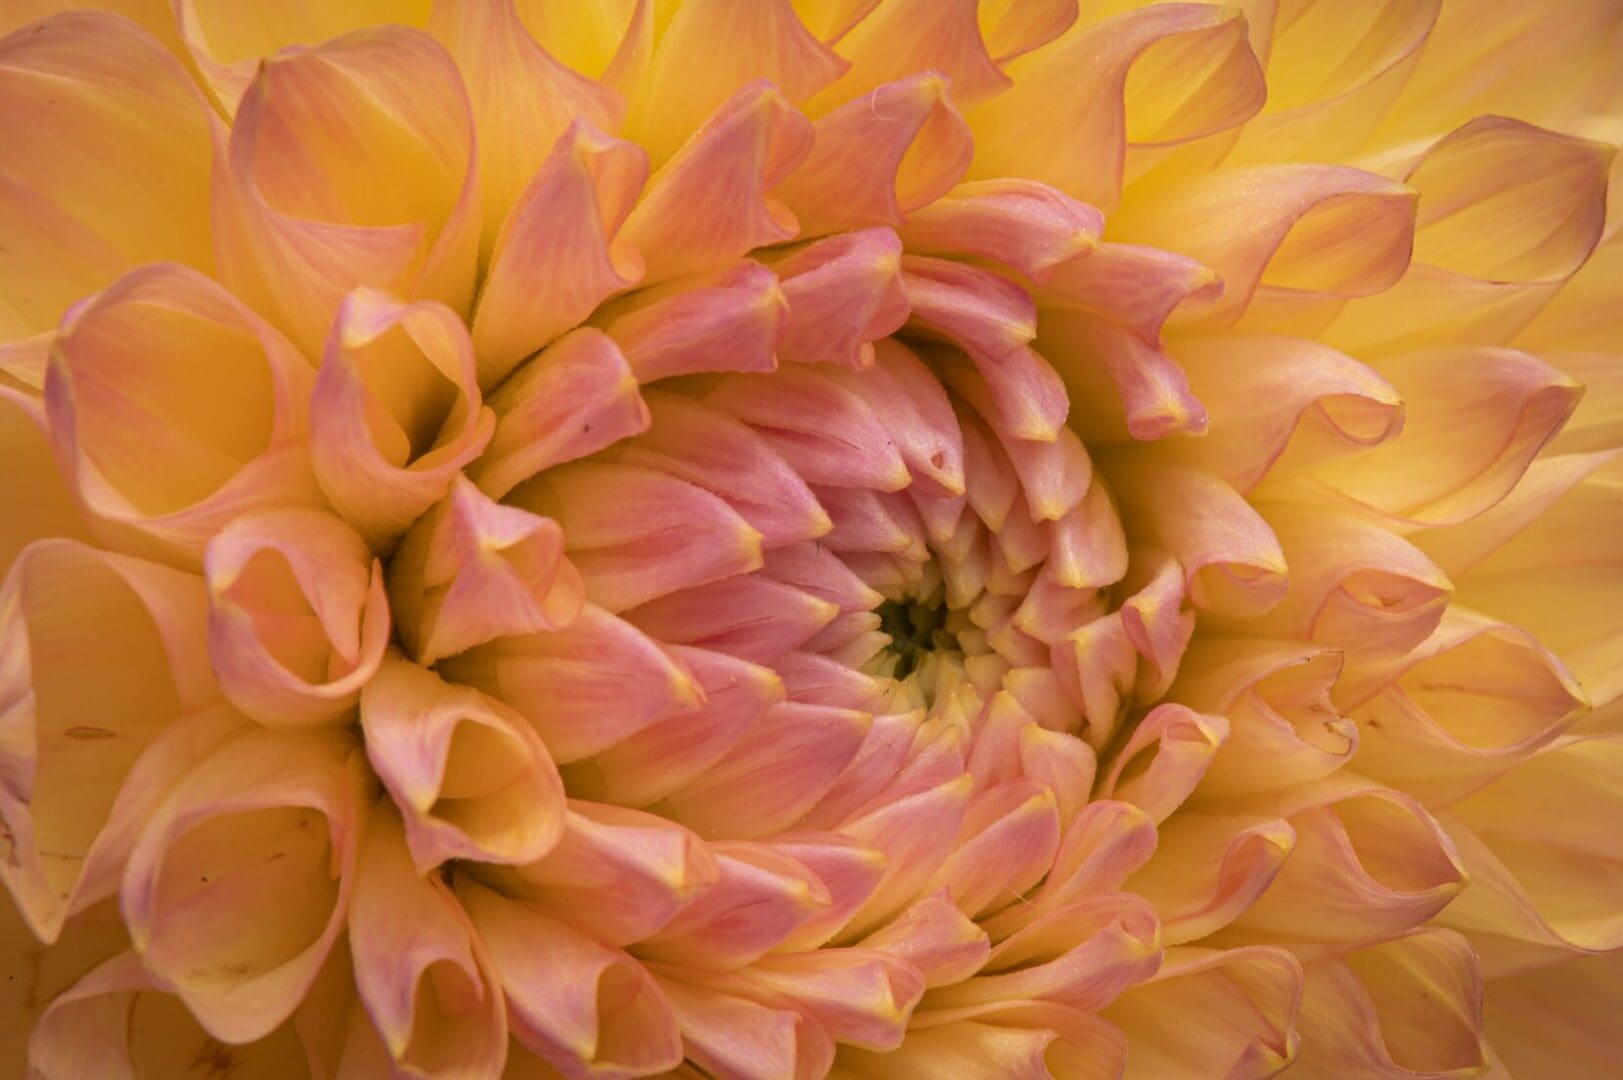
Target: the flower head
(775, 539)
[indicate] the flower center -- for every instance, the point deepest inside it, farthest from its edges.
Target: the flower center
(916, 629)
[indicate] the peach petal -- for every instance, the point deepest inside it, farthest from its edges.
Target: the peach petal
(90, 191)
(733, 1038)
(844, 294)
(619, 875)
(419, 966)
(914, 832)
(898, 39)
(1572, 1001)
(760, 898)
(907, 394)
(1185, 743)
(774, 774)
(1007, 843)
(817, 680)
(1210, 868)
(470, 777)
(174, 408)
(975, 309)
(1020, 1040)
(1020, 223)
(558, 254)
(237, 888)
(1232, 1009)
(752, 617)
(636, 534)
(578, 396)
(395, 412)
(1144, 393)
(884, 752)
(862, 997)
(590, 1010)
(472, 570)
(1410, 1005)
(880, 156)
(1020, 26)
(298, 618)
(864, 521)
(64, 609)
(705, 446)
(826, 432)
(937, 938)
(710, 203)
(1131, 78)
(727, 321)
(523, 99)
(298, 223)
(585, 687)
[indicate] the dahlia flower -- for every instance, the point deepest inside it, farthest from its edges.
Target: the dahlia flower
(769, 539)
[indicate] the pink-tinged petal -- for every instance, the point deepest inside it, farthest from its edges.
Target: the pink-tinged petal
(419, 966)
(660, 758)
(589, 1010)
(777, 772)
(1184, 743)
(298, 617)
(844, 293)
(1369, 863)
(1543, 863)
(1476, 417)
(22, 370)
(472, 570)
(1020, 395)
(470, 777)
(863, 997)
(1507, 212)
(759, 899)
(991, 486)
(914, 833)
(66, 609)
(1087, 547)
(395, 413)
(1123, 385)
(726, 321)
(689, 79)
(1020, 26)
(1232, 1011)
(734, 1038)
(104, 164)
(636, 534)
(751, 616)
(898, 39)
(1232, 561)
(867, 521)
(1208, 868)
(1084, 955)
(817, 680)
(1020, 223)
(1006, 844)
(1062, 763)
(239, 883)
(585, 687)
(827, 433)
(1281, 406)
(1017, 1040)
(1055, 476)
(574, 399)
(523, 98)
(299, 219)
(984, 314)
(884, 751)
(879, 157)
(558, 254)
(711, 202)
(1310, 233)
(618, 875)
(1156, 76)
(918, 416)
(704, 446)
(1284, 731)
(849, 871)
(937, 938)
(1412, 1005)
(174, 408)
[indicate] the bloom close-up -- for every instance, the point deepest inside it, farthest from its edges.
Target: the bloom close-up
(779, 539)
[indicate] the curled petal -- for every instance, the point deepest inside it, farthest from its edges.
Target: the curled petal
(582, 688)
(728, 321)
(66, 609)
(734, 1038)
(976, 309)
(898, 39)
(298, 618)
(862, 997)
(710, 203)
(105, 163)
(1210, 868)
(937, 938)
(1125, 385)
(1185, 743)
(1021, 223)
(32, 482)
(1006, 845)
(758, 900)
(299, 219)
(844, 294)
(174, 408)
(1233, 1010)
(1159, 75)
(879, 157)
(395, 413)
(472, 570)
(239, 883)
(1411, 1005)
(636, 534)
(590, 1009)
(558, 254)
(419, 966)
(574, 399)
(468, 774)
(914, 833)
